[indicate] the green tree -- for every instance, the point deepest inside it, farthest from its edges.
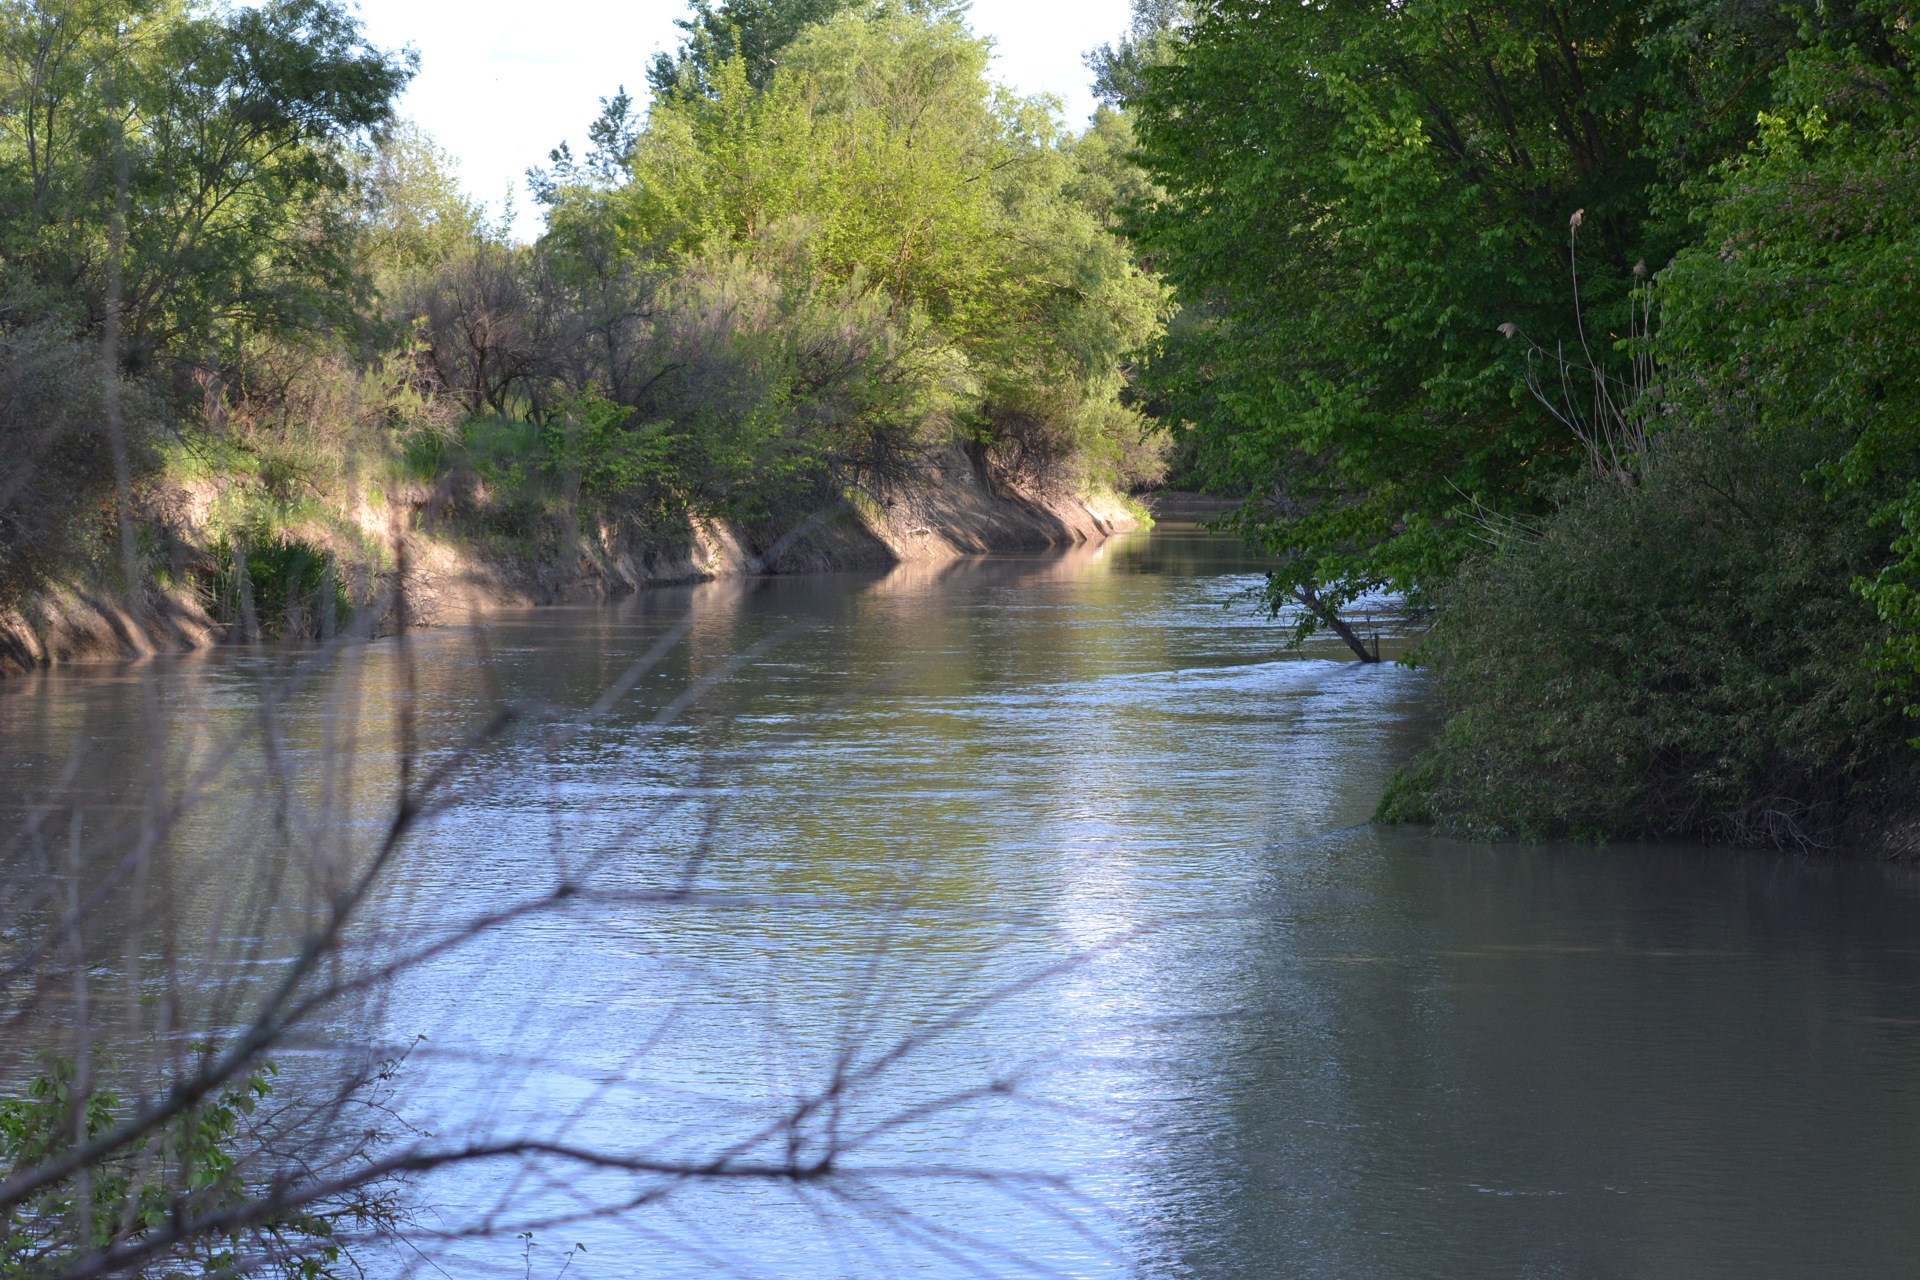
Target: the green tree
(219, 139)
(878, 159)
(1794, 309)
(417, 217)
(1725, 647)
(1354, 201)
(185, 169)
(754, 31)
(1152, 39)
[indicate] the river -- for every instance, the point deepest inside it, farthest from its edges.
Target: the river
(1061, 864)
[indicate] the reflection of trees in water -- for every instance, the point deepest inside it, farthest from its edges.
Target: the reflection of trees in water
(265, 862)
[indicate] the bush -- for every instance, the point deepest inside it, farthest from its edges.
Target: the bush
(1688, 658)
(205, 1160)
(56, 461)
(289, 589)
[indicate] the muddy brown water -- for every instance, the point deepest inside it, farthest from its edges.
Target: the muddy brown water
(1064, 861)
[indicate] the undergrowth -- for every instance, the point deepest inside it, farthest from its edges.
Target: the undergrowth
(1688, 657)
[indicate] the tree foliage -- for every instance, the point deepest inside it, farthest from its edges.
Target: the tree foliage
(190, 169)
(1355, 201)
(877, 165)
(754, 32)
(218, 137)
(213, 1157)
(1359, 200)
(1795, 305)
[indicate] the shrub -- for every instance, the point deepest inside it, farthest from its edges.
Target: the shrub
(1689, 657)
(594, 454)
(207, 1159)
(278, 586)
(56, 460)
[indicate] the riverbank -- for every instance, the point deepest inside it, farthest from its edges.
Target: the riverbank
(459, 568)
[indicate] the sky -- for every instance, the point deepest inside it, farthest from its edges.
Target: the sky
(502, 81)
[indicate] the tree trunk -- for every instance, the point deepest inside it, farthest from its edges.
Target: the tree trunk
(1332, 618)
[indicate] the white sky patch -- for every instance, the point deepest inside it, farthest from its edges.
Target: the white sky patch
(503, 81)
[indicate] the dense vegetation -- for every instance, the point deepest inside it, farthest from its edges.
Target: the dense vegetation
(239, 290)
(174, 195)
(1588, 323)
(869, 240)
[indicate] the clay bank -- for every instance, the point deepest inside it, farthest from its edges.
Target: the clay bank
(438, 548)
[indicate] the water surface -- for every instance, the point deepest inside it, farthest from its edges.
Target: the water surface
(1102, 834)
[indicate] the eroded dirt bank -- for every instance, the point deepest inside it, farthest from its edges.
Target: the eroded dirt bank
(453, 579)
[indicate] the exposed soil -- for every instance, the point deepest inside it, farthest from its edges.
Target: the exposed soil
(951, 511)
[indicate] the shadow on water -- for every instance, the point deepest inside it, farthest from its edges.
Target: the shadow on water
(1323, 1049)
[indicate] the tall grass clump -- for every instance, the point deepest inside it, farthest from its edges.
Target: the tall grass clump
(278, 587)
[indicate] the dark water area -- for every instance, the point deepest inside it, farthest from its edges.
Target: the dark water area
(1070, 858)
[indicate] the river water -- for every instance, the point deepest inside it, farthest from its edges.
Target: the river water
(1060, 867)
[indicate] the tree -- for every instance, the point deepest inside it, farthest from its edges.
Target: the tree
(754, 31)
(175, 185)
(1355, 200)
(1153, 38)
(1792, 311)
(1728, 646)
(220, 138)
(417, 217)
(879, 161)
